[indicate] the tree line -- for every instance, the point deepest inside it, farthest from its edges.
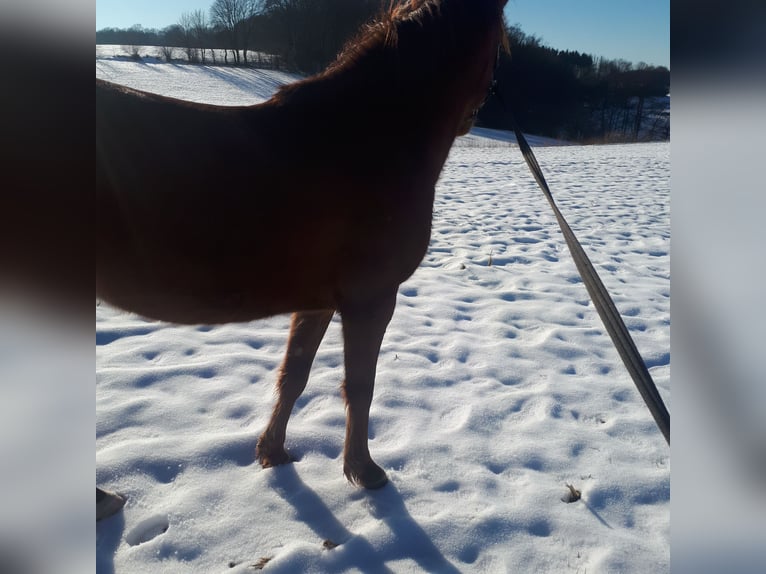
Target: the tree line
(302, 35)
(570, 95)
(562, 94)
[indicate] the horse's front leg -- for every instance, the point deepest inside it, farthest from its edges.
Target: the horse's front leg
(363, 329)
(306, 333)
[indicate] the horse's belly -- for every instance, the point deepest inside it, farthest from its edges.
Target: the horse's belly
(212, 306)
(195, 292)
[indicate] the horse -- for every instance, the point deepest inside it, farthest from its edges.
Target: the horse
(316, 201)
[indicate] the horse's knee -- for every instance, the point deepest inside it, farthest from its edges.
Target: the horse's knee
(357, 394)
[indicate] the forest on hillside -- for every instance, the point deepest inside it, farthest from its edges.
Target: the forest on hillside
(557, 93)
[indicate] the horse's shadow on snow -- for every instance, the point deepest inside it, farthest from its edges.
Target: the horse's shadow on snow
(409, 540)
(108, 538)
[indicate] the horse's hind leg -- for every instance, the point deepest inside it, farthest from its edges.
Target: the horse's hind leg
(306, 333)
(363, 329)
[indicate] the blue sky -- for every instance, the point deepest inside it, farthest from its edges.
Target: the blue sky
(636, 31)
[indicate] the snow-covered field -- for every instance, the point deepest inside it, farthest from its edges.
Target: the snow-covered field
(497, 386)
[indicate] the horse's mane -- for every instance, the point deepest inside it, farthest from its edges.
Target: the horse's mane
(383, 30)
(380, 34)
(378, 40)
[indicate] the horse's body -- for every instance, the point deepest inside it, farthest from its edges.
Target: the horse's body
(318, 200)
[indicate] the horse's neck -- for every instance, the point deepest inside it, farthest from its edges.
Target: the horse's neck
(410, 99)
(369, 113)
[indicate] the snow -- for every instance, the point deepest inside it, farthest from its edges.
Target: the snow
(496, 387)
(208, 84)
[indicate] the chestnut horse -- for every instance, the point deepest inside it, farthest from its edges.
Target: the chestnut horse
(316, 201)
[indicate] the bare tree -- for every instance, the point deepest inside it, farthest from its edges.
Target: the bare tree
(167, 53)
(133, 51)
(135, 37)
(235, 19)
(199, 31)
(186, 25)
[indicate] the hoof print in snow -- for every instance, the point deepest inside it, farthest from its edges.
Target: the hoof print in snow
(572, 496)
(147, 530)
(260, 564)
(329, 544)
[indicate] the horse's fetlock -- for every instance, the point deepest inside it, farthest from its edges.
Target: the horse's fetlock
(270, 454)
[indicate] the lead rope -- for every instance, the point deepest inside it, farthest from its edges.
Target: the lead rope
(605, 306)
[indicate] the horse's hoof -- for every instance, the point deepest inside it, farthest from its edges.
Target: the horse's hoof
(371, 478)
(108, 503)
(375, 483)
(271, 458)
